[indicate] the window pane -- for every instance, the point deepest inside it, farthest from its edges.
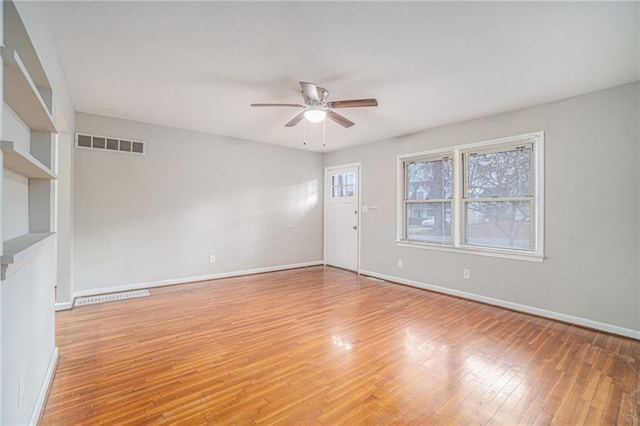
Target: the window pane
(500, 174)
(430, 180)
(348, 191)
(506, 224)
(350, 178)
(429, 222)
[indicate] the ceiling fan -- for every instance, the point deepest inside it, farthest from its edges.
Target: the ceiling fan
(316, 107)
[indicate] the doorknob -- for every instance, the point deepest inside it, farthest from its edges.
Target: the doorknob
(355, 226)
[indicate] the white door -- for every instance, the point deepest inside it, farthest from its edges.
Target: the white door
(342, 208)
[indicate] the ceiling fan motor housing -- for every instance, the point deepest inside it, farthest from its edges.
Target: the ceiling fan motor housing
(322, 98)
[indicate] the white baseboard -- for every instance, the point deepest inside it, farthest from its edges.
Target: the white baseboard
(609, 328)
(63, 306)
(44, 389)
(137, 286)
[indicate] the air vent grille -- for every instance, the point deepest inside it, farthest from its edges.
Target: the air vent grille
(107, 143)
(92, 300)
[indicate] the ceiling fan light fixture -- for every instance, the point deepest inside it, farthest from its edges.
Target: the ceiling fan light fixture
(315, 115)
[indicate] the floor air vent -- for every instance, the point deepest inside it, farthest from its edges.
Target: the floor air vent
(81, 301)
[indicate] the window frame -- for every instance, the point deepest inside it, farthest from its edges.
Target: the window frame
(536, 139)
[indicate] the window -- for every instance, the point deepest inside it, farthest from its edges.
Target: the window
(484, 198)
(428, 198)
(342, 185)
(498, 198)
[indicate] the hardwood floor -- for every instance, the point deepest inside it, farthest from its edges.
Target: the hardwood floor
(322, 345)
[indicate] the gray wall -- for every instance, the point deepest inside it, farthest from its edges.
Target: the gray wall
(145, 219)
(591, 221)
(64, 288)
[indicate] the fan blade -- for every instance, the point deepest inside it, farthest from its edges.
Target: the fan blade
(343, 121)
(295, 120)
(310, 91)
(353, 103)
(278, 105)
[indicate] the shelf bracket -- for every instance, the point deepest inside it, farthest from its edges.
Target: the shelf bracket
(3, 271)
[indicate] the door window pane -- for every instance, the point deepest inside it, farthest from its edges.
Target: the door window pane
(350, 178)
(343, 185)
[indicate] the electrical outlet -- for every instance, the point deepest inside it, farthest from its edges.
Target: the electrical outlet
(212, 258)
(465, 274)
(400, 263)
(21, 390)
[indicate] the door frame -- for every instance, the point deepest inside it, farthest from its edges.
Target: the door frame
(327, 193)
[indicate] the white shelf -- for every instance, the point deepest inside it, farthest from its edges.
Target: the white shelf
(20, 161)
(22, 95)
(18, 248)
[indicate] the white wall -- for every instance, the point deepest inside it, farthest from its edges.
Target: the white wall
(144, 219)
(14, 129)
(28, 332)
(15, 199)
(64, 293)
(26, 296)
(2, 113)
(592, 211)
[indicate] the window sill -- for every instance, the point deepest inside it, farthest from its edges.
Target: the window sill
(504, 254)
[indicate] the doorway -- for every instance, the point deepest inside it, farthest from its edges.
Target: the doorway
(342, 216)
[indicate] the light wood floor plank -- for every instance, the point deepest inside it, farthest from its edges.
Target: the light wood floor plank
(323, 346)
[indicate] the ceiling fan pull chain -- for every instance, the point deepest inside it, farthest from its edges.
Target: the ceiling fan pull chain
(304, 132)
(324, 132)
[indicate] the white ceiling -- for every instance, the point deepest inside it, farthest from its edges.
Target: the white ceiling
(198, 65)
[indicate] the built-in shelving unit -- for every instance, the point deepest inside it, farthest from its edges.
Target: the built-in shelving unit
(27, 92)
(22, 94)
(22, 162)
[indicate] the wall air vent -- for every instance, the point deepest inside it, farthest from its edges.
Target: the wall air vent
(107, 143)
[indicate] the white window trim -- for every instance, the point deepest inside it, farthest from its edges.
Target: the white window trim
(458, 247)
